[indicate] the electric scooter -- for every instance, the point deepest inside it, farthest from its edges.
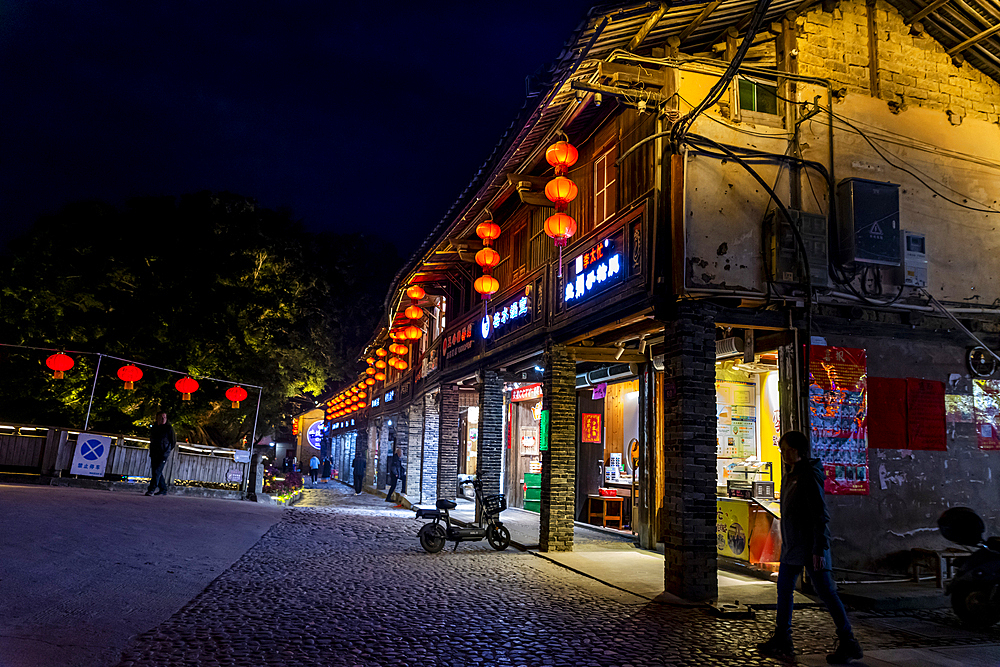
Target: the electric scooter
(975, 589)
(433, 535)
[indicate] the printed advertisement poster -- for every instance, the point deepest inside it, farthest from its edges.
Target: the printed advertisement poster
(986, 399)
(590, 427)
(91, 454)
(732, 529)
(838, 406)
(736, 419)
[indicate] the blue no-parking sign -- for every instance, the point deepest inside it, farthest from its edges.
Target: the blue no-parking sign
(91, 454)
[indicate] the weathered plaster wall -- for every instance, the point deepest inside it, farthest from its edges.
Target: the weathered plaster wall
(910, 489)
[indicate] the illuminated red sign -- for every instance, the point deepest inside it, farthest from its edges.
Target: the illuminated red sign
(590, 425)
(527, 393)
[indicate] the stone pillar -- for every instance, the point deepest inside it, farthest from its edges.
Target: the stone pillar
(447, 480)
(687, 520)
(361, 447)
(490, 433)
(415, 457)
(558, 506)
(402, 425)
(429, 473)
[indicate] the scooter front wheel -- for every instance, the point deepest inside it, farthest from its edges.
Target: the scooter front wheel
(973, 606)
(498, 536)
(432, 537)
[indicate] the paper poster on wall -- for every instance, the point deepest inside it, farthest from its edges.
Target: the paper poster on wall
(736, 419)
(838, 407)
(986, 398)
(590, 427)
(732, 528)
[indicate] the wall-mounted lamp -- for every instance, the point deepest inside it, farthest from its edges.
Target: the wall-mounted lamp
(620, 352)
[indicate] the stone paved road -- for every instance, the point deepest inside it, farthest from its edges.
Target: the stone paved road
(342, 580)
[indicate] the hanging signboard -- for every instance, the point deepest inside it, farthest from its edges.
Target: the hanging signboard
(91, 454)
(594, 271)
(457, 342)
(530, 392)
(543, 431)
(314, 434)
(509, 317)
(986, 403)
(838, 408)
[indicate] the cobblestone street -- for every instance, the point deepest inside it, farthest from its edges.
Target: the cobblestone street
(342, 580)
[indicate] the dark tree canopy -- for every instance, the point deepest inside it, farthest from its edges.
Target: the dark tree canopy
(211, 284)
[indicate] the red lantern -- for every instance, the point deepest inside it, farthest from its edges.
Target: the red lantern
(401, 365)
(396, 348)
(236, 394)
(380, 376)
(560, 227)
(380, 364)
(413, 312)
(59, 363)
(488, 231)
(412, 333)
(370, 360)
(561, 191)
(369, 381)
(186, 386)
(562, 155)
(392, 362)
(129, 375)
(487, 258)
(370, 370)
(486, 285)
(381, 353)
(362, 394)
(415, 292)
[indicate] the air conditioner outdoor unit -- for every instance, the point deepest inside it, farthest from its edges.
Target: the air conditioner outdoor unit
(729, 347)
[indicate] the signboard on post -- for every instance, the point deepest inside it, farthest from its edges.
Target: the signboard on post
(91, 454)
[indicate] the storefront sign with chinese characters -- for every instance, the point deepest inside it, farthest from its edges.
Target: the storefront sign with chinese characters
(590, 427)
(529, 392)
(508, 318)
(457, 342)
(594, 271)
(838, 406)
(389, 395)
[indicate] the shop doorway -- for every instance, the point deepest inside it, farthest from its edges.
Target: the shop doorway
(523, 465)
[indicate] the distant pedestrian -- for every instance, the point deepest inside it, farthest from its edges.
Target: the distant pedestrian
(327, 468)
(289, 463)
(161, 441)
(395, 472)
(805, 542)
(359, 466)
(313, 468)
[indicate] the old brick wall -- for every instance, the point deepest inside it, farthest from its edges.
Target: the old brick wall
(490, 432)
(415, 454)
(432, 424)
(447, 479)
(559, 461)
(361, 447)
(913, 69)
(689, 453)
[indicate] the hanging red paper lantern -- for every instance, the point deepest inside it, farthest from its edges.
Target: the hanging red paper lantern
(415, 292)
(369, 381)
(370, 370)
(129, 375)
(381, 353)
(380, 376)
(412, 332)
(362, 394)
(401, 365)
(413, 312)
(561, 191)
(487, 258)
(562, 155)
(370, 360)
(488, 231)
(392, 362)
(59, 363)
(236, 394)
(380, 364)
(396, 348)
(486, 285)
(362, 405)
(186, 386)
(560, 227)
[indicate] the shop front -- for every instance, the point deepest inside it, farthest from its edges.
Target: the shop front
(523, 465)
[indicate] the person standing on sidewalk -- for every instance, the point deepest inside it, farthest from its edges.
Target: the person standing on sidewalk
(314, 468)
(359, 466)
(805, 542)
(395, 472)
(326, 470)
(161, 441)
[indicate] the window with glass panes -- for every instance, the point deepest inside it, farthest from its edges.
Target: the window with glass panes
(605, 177)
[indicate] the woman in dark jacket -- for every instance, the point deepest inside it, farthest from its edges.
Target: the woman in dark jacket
(326, 469)
(805, 542)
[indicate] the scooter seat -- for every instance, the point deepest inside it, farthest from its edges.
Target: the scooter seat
(428, 514)
(443, 504)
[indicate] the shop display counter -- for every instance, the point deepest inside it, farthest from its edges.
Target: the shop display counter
(749, 530)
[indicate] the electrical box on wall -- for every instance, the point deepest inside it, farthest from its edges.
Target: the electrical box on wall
(868, 222)
(914, 259)
(786, 265)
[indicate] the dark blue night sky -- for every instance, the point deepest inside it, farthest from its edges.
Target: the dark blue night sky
(356, 116)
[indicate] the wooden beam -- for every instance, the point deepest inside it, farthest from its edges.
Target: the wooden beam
(973, 40)
(698, 20)
(607, 355)
(873, 83)
(648, 26)
(925, 11)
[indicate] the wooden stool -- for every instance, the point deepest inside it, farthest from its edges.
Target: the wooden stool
(604, 511)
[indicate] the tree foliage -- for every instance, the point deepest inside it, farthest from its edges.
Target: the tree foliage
(211, 285)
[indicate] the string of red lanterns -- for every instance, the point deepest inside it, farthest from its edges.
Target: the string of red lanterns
(487, 258)
(561, 191)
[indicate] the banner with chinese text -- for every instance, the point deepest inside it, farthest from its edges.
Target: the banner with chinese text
(838, 407)
(986, 403)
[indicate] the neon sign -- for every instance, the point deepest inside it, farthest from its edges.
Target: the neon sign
(593, 272)
(375, 402)
(389, 395)
(314, 434)
(508, 318)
